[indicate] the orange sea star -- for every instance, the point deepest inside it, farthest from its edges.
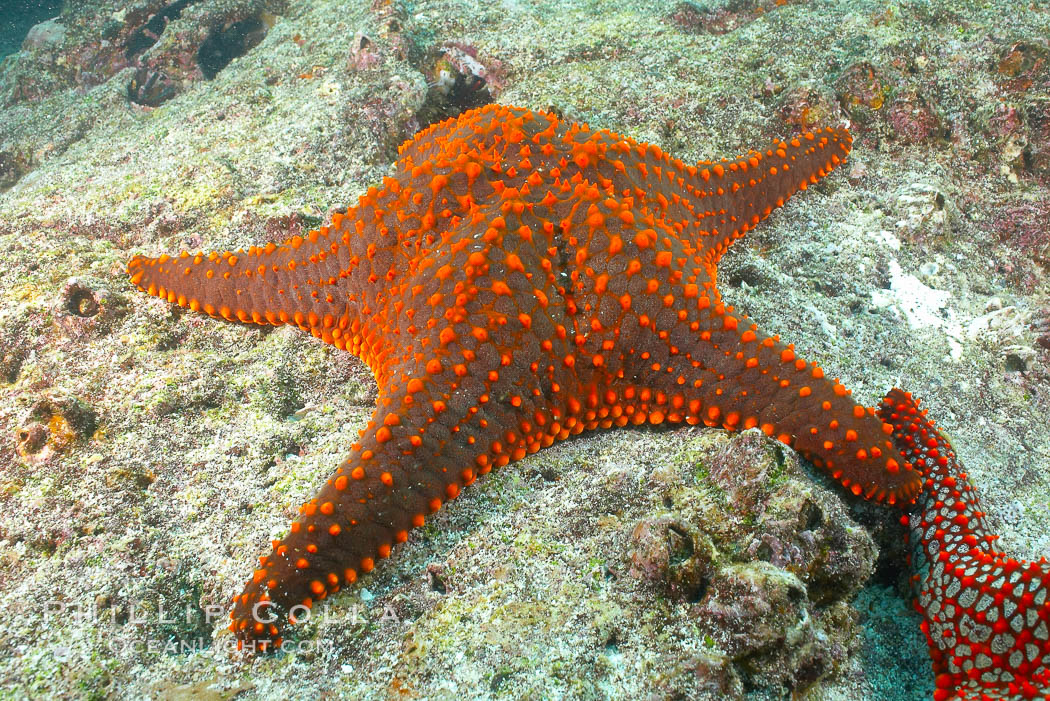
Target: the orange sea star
(519, 280)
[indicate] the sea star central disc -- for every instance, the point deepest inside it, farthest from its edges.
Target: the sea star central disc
(519, 280)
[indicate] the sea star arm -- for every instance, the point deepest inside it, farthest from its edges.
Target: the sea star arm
(404, 467)
(458, 399)
(264, 285)
(648, 314)
(734, 376)
(987, 615)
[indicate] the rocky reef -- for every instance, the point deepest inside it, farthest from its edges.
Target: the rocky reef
(151, 453)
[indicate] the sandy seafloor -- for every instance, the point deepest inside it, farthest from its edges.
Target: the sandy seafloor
(149, 455)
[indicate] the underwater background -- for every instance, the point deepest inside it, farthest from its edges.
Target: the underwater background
(17, 16)
(149, 455)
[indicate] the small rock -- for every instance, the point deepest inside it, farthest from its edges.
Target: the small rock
(862, 91)
(913, 119)
(150, 88)
(85, 307)
(45, 36)
(30, 439)
(756, 603)
(766, 625)
(457, 81)
(702, 675)
(809, 533)
(805, 106)
(664, 554)
(1023, 64)
(52, 425)
(1037, 155)
(364, 53)
(14, 163)
(743, 469)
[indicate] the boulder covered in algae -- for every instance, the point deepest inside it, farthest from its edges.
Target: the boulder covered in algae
(151, 454)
